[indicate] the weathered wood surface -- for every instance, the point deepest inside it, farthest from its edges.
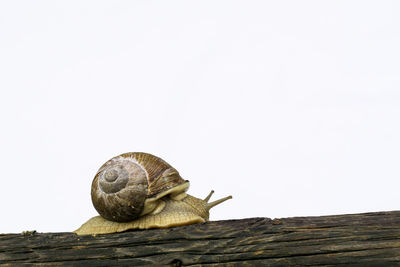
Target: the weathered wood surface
(369, 239)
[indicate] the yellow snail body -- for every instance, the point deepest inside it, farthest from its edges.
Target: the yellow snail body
(141, 191)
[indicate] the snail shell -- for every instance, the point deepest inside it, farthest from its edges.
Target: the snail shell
(130, 185)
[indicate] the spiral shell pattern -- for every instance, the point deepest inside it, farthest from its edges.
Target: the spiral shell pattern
(123, 183)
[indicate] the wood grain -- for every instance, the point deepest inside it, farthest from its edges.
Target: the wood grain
(369, 239)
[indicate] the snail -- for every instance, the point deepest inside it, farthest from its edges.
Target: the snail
(141, 191)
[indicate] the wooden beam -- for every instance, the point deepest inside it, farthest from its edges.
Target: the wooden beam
(369, 239)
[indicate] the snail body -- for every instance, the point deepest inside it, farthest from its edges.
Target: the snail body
(141, 191)
(187, 211)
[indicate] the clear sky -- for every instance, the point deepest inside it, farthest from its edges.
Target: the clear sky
(292, 107)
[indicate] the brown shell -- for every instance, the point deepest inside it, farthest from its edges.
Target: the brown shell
(123, 183)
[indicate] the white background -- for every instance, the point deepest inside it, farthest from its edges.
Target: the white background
(293, 107)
